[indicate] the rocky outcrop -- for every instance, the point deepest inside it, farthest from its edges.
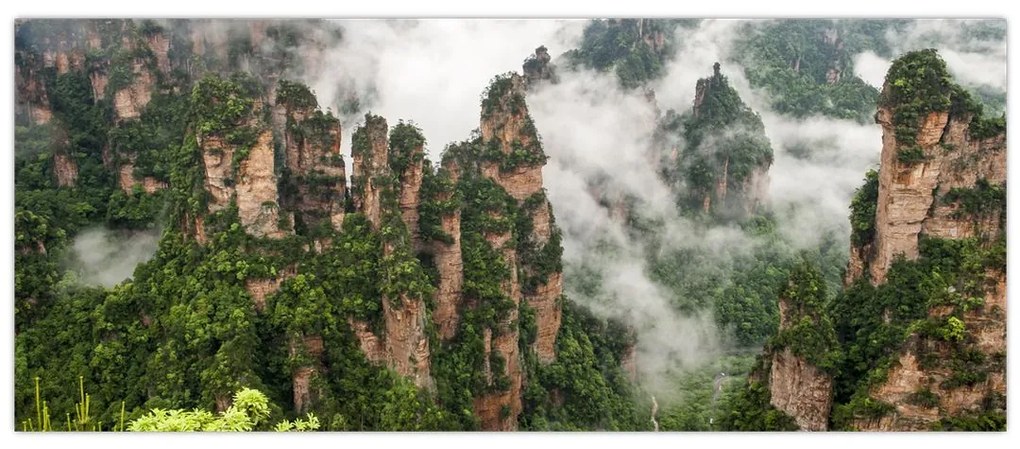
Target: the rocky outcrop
(31, 100)
(315, 166)
(508, 127)
(159, 44)
(371, 345)
(129, 101)
(797, 385)
(538, 67)
(498, 410)
(306, 348)
(217, 158)
(371, 163)
(447, 257)
(909, 191)
(944, 179)
(65, 169)
(514, 162)
(919, 384)
(405, 346)
(410, 189)
(723, 170)
(249, 181)
(95, 49)
(546, 302)
(126, 180)
(256, 193)
(259, 289)
(800, 390)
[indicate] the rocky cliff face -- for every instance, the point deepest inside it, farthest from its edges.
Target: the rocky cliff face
(447, 253)
(800, 390)
(304, 394)
(256, 190)
(538, 67)
(514, 160)
(65, 169)
(371, 165)
(249, 182)
(129, 101)
(31, 100)
(520, 175)
(797, 385)
(923, 391)
(127, 181)
(912, 195)
(942, 176)
(315, 165)
(237, 152)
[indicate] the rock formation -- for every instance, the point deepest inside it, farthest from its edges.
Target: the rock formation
(127, 181)
(538, 67)
(908, 194)
(446, 252)
(371, 165)
(375, 195)
(257, 154)
(315, 166)
(942, 176)
(797, 385)
(800, 390)
(239, 165)
(129, 101)
(723, 169)
(514, 163)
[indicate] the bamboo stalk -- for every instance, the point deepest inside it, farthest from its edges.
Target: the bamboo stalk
(46, 417)
(38, 411)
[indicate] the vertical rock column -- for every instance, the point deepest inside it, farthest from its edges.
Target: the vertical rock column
(375, 195)
(797, 386)
(507, 127)
(312, 146)
(942, 177)
(447, 257)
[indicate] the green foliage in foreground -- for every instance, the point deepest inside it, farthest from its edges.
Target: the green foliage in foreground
(249, 411)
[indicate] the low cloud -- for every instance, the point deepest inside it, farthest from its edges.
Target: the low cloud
(104, 257)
